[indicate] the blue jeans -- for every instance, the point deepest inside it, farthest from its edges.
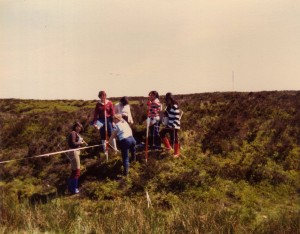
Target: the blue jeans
(109, 128)
(126, 145)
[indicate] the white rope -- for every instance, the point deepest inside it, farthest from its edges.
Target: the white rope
(49, 154)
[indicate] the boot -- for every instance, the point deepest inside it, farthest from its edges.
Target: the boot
(166, 143)
(73, 185)
(176, 150)
(76, 190)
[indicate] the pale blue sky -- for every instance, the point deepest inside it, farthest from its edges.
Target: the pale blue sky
(71, 49)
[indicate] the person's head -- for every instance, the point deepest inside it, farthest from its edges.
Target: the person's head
(124, 101)
(77, 127)
(117, 118)
(153, 95)
(102, 95)
(170, 99)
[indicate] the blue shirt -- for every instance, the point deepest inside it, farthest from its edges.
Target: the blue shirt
(123, 130)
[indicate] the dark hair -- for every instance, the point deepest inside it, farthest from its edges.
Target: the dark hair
(155, 93)
(100, 94)
(169, 96)
(77, 124)
(124, 101)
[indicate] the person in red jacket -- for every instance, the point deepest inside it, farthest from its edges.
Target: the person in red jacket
(104, 109)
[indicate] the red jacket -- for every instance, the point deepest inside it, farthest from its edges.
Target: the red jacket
(99, 110)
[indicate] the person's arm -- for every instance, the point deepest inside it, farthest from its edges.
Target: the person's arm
(73, 139)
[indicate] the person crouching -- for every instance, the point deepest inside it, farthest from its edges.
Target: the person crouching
(127, 143)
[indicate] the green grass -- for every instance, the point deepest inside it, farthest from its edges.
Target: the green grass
(238, 171)
(77, 215)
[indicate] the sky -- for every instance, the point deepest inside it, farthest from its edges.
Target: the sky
(72, 49)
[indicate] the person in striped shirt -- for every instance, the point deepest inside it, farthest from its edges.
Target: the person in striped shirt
(172, 117)
(154, 109)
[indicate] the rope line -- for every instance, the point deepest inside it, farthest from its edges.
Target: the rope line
(49, 154)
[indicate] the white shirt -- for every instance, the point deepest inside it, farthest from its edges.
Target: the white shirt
(124, 110)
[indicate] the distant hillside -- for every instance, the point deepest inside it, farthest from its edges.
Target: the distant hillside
(238, 149)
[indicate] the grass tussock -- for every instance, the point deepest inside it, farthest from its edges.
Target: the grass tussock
(124, 216)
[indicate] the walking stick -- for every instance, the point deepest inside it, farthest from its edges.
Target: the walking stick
(173, 143)
(106, 134)
(147, 131)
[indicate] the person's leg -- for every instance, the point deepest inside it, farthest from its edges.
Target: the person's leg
(132, 148)
(176, 140)
(176, 145)
(172, 137)
(157, 140)
(109, 126)
(75, 166)
(151, 135)
(102, 134)
(163, 135)
(102, 129)
(124, 145)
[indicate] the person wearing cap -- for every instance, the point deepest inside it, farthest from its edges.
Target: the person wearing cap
(154, 109)
(104, 110)
(123, 108)
(74, 142)
(172, 116)
(127, 143)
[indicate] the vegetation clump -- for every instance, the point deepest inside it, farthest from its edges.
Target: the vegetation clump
(238, 172)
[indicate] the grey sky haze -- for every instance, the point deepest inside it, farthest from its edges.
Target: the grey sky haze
(71, 49)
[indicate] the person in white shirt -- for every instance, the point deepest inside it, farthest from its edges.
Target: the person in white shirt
(123, 133)
(123, 108)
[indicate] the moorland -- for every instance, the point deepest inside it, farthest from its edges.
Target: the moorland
(238, 171)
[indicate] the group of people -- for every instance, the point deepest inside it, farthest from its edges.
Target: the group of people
(113, 122)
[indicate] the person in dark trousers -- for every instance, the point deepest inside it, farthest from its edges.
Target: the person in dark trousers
(75, 141)
(123, 108)
(104, 110)
(172, 122)
(154, 109)
(127, 143)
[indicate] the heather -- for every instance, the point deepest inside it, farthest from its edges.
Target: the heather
(238, 171)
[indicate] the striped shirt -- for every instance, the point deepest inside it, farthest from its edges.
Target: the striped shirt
(155, 108)
(174, 116)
